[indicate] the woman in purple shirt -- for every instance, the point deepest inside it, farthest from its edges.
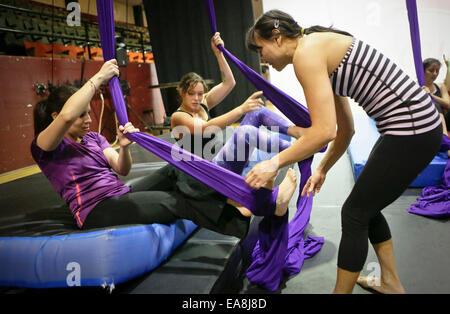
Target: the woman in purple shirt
(79, 163)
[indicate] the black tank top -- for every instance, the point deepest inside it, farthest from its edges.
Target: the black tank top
(437, 92)
(203, 140)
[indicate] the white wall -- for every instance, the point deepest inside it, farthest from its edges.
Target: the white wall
(380, 23)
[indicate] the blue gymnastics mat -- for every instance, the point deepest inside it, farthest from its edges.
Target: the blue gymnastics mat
(366, 135)
(41, 247)
(98, 258)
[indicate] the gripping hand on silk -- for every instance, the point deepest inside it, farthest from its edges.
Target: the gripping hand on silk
(122, 131)
(262, 173)
(107, 71)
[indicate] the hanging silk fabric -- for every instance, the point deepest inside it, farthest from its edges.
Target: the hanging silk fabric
(281, 248)
(435, 200)
(415, 40)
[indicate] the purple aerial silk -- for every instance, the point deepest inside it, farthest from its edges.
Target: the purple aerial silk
(274, 255)
(281, 248)
(415, 40)
(445, 146)
(435, 200)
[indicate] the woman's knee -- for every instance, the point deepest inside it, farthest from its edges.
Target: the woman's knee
(353, 219)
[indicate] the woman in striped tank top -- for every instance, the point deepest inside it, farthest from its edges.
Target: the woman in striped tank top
(332, 65)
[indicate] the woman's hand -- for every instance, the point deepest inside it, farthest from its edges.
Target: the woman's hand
(446, 61)
(252, 103)
(107, 71)
(262, 173)
(216, 40)
(127, 129)
(314, 183)
(426, 89)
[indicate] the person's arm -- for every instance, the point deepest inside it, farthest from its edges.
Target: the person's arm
(310, 67)
(443, 101)
(337, 148)
(75, 106)
(196, 125)
(344, 134)
(121, 161)
(447, 77)
(220, 91)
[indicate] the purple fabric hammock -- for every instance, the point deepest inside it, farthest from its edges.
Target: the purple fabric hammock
(275, 255)
(435, 200)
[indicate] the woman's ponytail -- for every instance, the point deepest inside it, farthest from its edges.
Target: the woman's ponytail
(42, 113)
(40, 116)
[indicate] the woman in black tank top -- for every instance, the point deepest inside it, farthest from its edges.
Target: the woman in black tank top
(197, 101)
(438, 92)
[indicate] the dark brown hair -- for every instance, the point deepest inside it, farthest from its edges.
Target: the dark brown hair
(429, 61)
(191, 78)
(42, 113)
(276, 19)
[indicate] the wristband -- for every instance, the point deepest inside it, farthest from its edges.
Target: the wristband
(93, 85)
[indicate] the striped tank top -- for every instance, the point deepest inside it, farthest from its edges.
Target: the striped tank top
(398, 105)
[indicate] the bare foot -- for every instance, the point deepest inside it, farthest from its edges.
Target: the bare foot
(285, 192)
(378, 285)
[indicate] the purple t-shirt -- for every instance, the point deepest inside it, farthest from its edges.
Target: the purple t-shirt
(80, 173)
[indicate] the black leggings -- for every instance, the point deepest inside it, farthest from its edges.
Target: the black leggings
(395, 161)
(145, 207)
(165, 196)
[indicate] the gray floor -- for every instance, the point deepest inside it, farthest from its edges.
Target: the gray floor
(421, 244)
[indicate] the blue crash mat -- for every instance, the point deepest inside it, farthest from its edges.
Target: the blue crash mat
(97, 258)
(41, 246)
(366, 135)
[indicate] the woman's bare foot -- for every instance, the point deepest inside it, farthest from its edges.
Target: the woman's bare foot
(285, 192)
(296, 131)
(378, 285)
